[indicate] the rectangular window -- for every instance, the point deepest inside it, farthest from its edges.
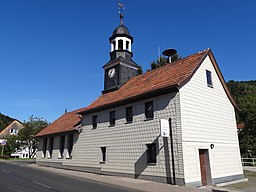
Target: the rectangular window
(103, 154)
(151, 153)
(62, 145)
(94, 121)
(149, 111)
(129, 114)
(44, 147)
(209, 78)
(70, 144)
(51, 146)
(112, 118)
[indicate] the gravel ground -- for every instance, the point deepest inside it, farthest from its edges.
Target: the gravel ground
(249, 186)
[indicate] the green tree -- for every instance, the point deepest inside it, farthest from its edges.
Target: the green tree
(244, 93)
(12, 145)
(31, 128)
(161, 61)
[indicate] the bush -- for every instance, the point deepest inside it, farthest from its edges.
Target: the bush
(4, 156)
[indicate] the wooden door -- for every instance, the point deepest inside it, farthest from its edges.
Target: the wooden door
(203, 167)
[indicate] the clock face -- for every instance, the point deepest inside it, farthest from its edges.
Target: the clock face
(111, 72)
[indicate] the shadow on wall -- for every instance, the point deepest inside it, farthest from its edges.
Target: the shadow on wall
(167, 161)
(141, 164)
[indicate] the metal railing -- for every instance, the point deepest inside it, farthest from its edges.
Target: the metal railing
(249, 161)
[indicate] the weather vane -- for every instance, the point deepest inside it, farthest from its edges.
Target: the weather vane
(121, 9)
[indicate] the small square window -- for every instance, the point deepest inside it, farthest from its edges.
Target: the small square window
(129, 114)
(149, 111)
(103, 154)
(209, 78)
(151, 153)
(112, 118)
(94, 121)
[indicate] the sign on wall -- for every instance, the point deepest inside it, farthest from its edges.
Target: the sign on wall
(165, 128)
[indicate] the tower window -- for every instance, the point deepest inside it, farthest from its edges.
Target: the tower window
(120, 44)
(149, 111)
(209, 78)
(114, 45)
(112, 118)
(127, 45)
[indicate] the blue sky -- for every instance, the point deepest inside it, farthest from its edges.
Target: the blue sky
(52, 51)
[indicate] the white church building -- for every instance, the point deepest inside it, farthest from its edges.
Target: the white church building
(174, 124)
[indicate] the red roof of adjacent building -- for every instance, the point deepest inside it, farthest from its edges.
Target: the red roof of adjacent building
(67, 122)
(158, 81)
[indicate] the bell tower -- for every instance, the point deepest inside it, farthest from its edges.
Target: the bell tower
(120, 67)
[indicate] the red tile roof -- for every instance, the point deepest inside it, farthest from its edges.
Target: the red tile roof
(151, 83)
(170, 75)
(67, 122)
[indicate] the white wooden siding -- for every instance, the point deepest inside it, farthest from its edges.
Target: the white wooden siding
(208, 117)
(126, 143)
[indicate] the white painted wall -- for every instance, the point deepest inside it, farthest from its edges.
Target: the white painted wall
(208, 117)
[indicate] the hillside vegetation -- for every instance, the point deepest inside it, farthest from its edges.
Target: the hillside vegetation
(244, 93)
(5, 121)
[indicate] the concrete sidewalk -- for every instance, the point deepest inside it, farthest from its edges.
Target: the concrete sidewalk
(133, 184)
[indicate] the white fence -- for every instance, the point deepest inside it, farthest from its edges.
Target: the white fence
(249, 161)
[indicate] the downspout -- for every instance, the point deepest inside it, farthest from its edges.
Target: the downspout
(172, 153)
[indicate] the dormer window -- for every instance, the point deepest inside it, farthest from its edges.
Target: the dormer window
(209, 78)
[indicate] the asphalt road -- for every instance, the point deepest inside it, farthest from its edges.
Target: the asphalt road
(18, 177)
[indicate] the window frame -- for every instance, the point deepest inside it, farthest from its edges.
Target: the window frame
(112, 118)
(94, 121)
(151, 153)
(149, 113)
(129, 114)
(103, 155)
(209, 78)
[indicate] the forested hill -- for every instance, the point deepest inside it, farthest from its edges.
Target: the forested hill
(5, 121)
(244, 93)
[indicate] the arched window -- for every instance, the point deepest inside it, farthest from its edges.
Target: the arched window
(114, 45)
(120, 44)
(127, 45)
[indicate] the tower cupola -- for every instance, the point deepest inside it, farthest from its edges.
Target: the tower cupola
(121, 41)
(120, 67)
